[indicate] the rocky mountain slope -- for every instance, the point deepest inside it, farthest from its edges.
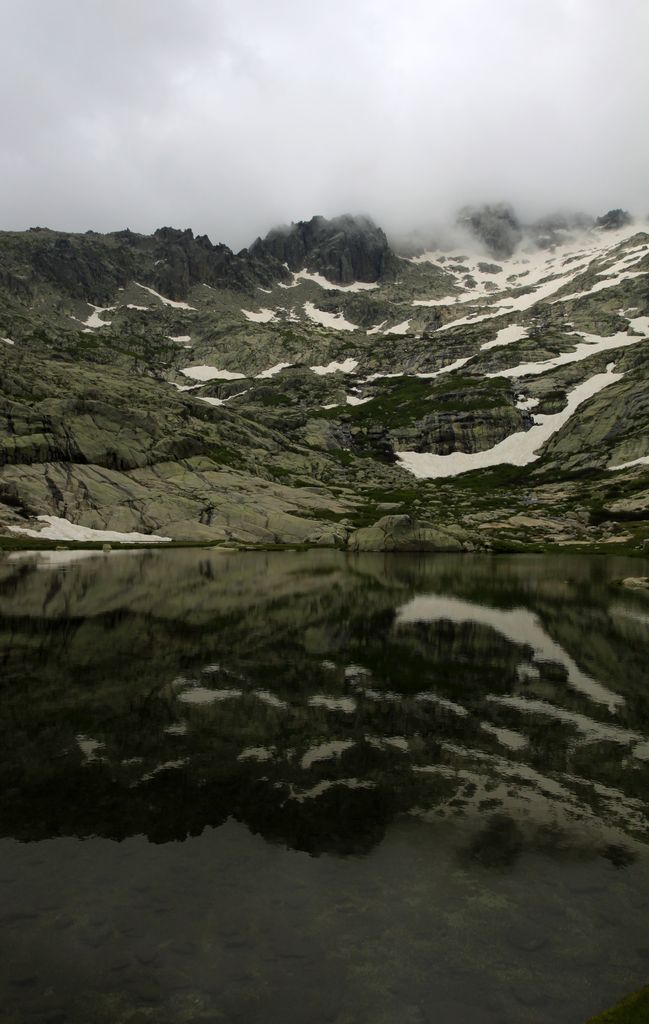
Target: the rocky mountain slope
(305, 389)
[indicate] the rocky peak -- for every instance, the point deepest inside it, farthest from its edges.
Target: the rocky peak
(343, 249)
(613, 220)
(497, 227)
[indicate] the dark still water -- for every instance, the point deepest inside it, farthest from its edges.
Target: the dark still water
(310, 787)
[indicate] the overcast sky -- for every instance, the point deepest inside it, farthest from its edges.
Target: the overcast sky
(229, 116)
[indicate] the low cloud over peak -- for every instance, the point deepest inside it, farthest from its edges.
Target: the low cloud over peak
(235, 118)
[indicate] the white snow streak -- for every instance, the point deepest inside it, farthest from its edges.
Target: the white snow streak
(355, 286)
(167, 302)
(642, 461)
(348, 366)
(399, 328)
(273, 370)
(592, 345)
(204, 372)
(445, 369)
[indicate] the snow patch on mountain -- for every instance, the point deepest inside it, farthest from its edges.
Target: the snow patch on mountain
(272, 371)
(506, 336)
(347, 366)
(306, 275)
(220, 401)
(402, 328)
(335, 321)
(94, 320)
(263, 316)
(609, 282)
(163, 299)
(518, 449)
(62, 529)
(592, 345)
(378, 328)
(204, 372)
(642, 461)
(445, 369)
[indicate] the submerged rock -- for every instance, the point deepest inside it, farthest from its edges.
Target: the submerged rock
(636, 583)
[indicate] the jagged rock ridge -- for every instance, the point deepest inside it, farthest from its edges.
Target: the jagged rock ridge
(93, 267)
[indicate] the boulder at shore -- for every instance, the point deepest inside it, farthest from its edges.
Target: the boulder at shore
(404, 533)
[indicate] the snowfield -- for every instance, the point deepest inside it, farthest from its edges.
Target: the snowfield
(63, 529)
(541, 271)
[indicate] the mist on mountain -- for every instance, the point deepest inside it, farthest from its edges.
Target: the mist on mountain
(232, 119)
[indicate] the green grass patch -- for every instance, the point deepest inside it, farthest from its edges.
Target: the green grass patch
(405, 400)
(632, 1010)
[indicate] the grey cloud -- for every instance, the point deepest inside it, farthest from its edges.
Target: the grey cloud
(230, 118)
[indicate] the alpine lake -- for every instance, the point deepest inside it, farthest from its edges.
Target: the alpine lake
(275, 787)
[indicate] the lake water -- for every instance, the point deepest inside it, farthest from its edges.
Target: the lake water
(311, 787)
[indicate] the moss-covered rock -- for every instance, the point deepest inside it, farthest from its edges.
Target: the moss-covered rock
(405, 533)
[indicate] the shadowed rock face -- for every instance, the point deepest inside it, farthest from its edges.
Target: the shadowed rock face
(344, 249)
(92, 266)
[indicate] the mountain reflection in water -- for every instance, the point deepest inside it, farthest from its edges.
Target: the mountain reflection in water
(484, 722)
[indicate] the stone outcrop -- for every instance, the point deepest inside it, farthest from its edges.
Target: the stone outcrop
(405, 533)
